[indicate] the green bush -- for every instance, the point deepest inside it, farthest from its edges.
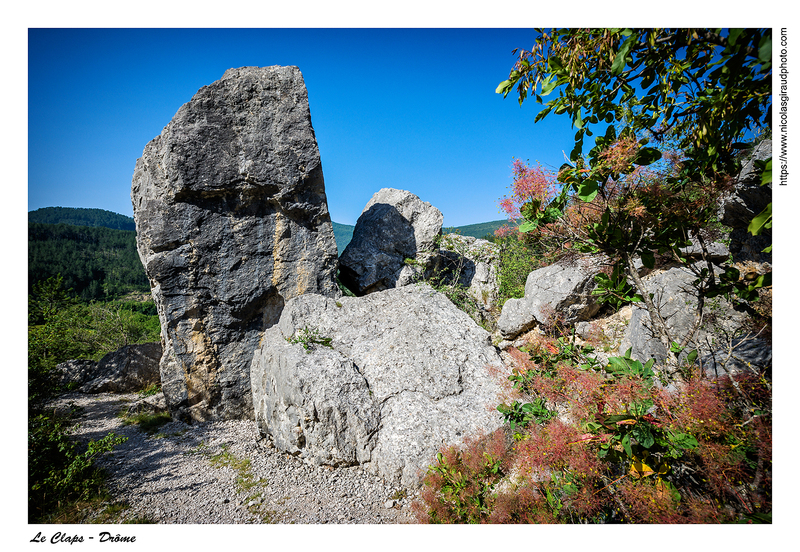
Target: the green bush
(620, 450)
(59, 329)
(518, 258)
(59, 471)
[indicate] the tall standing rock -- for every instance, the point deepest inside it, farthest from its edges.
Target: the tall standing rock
(232, 221)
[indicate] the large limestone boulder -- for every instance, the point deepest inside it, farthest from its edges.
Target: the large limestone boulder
(561, 290)
(393, 243)
(383, 380)
(232, 221)
(130, 368)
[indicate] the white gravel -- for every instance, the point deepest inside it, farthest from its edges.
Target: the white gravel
(172, 476)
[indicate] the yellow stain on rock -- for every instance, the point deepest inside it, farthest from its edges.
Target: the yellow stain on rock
(201, 376)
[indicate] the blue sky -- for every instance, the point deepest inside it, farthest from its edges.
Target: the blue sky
(404, 108)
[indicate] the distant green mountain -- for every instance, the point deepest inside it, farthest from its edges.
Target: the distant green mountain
(95, 262)
(480, 230)
(81, 217)
(343, 233)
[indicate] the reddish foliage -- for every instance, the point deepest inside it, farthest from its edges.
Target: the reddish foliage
(530, 183)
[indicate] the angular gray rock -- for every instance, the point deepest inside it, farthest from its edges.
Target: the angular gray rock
(721, 333)
(73, 374)
(393, 242)
(131, 368)
(404, 373)
(561, 290)
(232, 221)
(747, 199)
(155, 404)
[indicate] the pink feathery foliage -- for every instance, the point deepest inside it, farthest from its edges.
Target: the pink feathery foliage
(530, 183)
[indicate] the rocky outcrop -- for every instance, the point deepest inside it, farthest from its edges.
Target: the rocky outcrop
(393, 242)
(747, 199)
(562, 291)
(722, 340)
(232, 221)
(383, 380)
(131, 368)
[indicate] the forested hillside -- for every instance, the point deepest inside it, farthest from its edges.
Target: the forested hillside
(480, 230)
(95, 262)
(82, 217)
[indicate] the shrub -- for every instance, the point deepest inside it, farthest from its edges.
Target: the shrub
(459, 487)
(620, 449)
(59, 472)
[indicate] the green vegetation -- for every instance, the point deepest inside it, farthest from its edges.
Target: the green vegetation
(81, 217)
(308, 337)
(627, 441)
(631, 452)
(482, 230)
(61, 474)
(147, 422)
(245, 480)
(97, 263)
(652, 182)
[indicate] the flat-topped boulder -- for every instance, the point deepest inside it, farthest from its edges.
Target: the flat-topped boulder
(232, 221)
(383, 380)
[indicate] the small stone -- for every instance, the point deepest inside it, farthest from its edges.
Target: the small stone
(389, 504)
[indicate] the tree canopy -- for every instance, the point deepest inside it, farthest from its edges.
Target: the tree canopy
(705, 88)
(673, 107)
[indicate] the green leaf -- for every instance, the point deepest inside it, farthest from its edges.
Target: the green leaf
(643, 434)
(588, 190)
(683, 440)
(613, 419)
(733, 34)
(504, 87)
(548, 85)
(766, 172)
(626, 444)
(647, 156)
(577, 120)
(765, 49)
(761, 221)
(692, 356)
(648, 259)
(622, 56)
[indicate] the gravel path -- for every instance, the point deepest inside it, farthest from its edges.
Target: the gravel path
(199, 474)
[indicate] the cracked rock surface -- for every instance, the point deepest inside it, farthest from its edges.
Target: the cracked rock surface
(231, 220)
(383, 380)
